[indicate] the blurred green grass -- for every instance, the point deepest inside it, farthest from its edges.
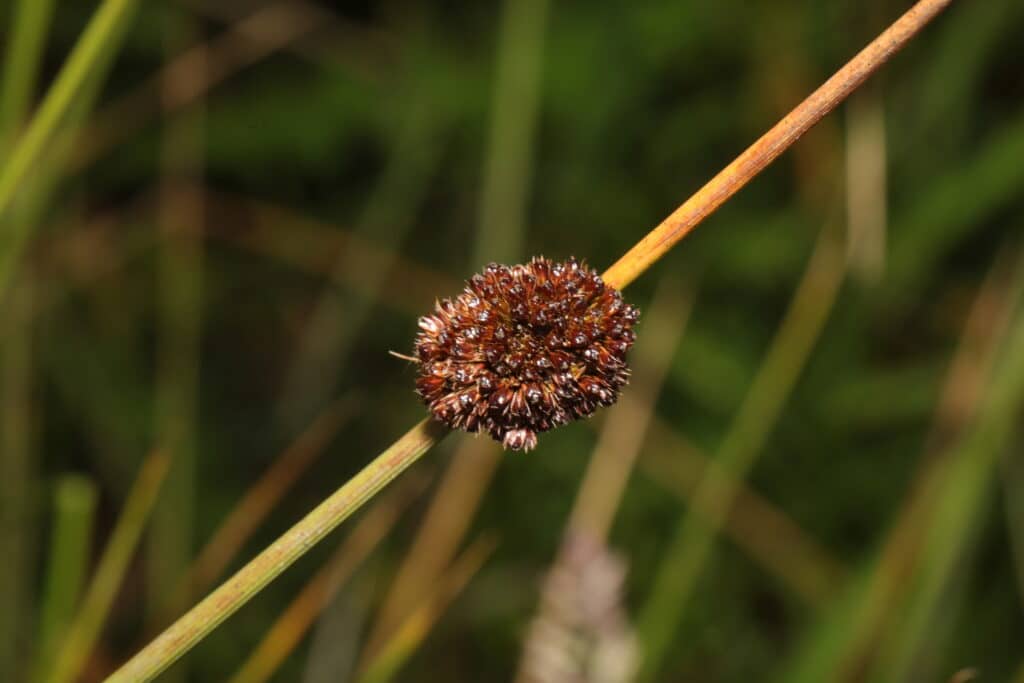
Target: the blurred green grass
(377, 123)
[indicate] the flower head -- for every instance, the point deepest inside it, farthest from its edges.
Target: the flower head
(524, 349)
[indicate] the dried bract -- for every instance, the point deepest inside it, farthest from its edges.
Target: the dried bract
(524, 349)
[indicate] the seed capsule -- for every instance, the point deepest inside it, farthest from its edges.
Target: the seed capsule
(524, 349)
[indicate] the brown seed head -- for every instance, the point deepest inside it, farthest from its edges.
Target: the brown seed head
(524, 349)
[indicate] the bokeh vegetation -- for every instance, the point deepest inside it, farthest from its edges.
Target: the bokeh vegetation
(243, 206)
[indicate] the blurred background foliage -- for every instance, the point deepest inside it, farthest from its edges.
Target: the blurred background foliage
(247, 204)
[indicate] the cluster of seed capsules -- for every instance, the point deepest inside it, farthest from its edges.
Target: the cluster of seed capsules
(524, 349)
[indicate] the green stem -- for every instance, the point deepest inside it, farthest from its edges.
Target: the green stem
(510, 145)
(329, 337)
(87, 54)
(21, 67)
(265, 567)
(68, 98)
(694, 537)
(179, 333)
(74, 508)
(113, 564)
(967, 486)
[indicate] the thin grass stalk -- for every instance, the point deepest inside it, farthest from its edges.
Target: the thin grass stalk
(335, 321)
(970, 372)
(367, 52)
(866, 195)
(263, 496)
(26, 42)
(292, 625)
(74, 509)
(313, 247)
(625, 430)
(278, 556)
(843, 646)
(115, 418)
(693, 539)
(88, 52)
(501, 225)
(68, 100)
(278, 24)
(515, 109)
(943, 99)
(212, 611)
(266, 229)
(445, 523)
(180, 218)
(925, 234)
(414, 629)
(27, 39)
(334, 645)
(35, 200)
(766, 533)
(15, 225)
(960, 509)
(85, 629)
(773, 143)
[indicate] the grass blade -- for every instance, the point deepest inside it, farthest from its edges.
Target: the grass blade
(756, 158)
(414, 629)
(762, 530)
(263, 496)
(74, 508)
(966, 487)
(180, 217)
(292, 625)
(85, 629)
(694, 537)
(261, 570)
(21, 64)
(88, 52)
(624, 432)
(28, 174)
(845, 642)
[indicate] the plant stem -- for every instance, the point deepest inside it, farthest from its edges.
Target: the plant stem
(74, 508)
(236, 591)
(98, 599)
(37, 160)
(87, 54)
(624, 433)
(22, 60)
(223, 602)
(694, 537)
(414, 629)
(180, 301)
(289, 629)
(515, 112)
(773, 143)
(263, 496)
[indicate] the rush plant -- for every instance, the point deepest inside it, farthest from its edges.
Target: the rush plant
(248, 581)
